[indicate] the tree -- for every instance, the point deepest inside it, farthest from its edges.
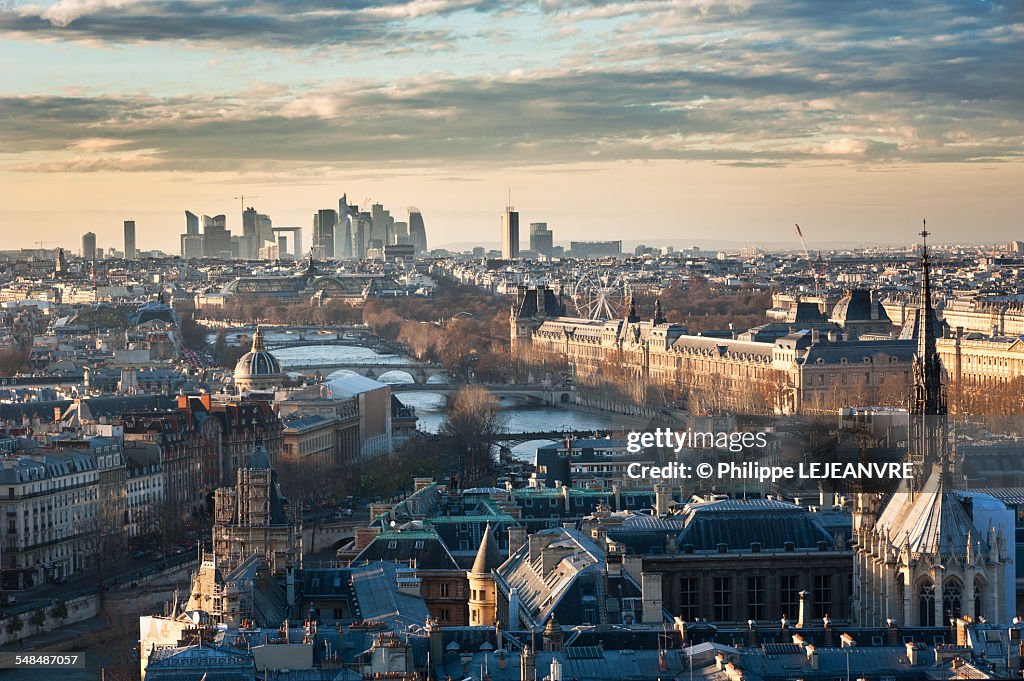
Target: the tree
(472, 422)
(15, 625)
(59, 612)
(38, 619)
(13, 361)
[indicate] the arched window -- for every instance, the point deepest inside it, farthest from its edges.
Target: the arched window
(952, 591)
(979, 597)
(926, 604)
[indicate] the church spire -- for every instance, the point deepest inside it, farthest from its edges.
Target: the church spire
(928, 446)
(928, 378)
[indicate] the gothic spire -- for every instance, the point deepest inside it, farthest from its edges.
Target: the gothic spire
(927, 372)
(928, 446)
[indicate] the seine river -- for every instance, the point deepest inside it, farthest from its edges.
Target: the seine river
(520, 417)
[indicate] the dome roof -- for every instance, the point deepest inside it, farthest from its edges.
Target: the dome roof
(257, 362)
(858, 305)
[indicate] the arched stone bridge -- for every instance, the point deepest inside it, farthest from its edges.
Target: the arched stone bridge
(420, 373)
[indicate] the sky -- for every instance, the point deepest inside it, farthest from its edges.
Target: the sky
(635, 119)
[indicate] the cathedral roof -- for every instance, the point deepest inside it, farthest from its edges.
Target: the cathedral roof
(932, 521)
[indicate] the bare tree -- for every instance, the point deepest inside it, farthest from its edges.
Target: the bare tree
(473, 420)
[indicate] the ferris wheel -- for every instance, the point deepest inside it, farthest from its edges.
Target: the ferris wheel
(599, 295)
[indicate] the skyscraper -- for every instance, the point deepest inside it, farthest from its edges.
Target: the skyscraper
(381, 226)
(509, 233)
(216, 237)
(541, 238)
(343, 236)
(89, 246)
(249, 232)
(191, 240)
(129, 240)
(324, 222)
(417, 232)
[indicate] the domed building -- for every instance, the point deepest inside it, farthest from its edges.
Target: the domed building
(860, 312)
(258, 369)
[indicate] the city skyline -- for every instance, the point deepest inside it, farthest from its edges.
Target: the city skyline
(733, 119)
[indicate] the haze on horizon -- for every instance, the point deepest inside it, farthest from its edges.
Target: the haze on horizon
(640, 119)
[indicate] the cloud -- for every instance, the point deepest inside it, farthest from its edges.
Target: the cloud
(753, 82)
(63, 12)
(276, 24)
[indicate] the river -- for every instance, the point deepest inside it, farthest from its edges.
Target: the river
(520, 417)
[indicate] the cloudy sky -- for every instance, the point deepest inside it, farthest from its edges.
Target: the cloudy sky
(634, 119)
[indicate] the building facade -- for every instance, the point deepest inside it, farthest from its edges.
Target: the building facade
(802, 371)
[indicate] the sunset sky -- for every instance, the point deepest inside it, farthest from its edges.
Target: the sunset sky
(640, 120)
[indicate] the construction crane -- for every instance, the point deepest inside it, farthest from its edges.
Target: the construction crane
(242, 198)
(807, 254)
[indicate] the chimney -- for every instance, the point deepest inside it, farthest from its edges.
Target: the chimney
(290, 582)
(752, 638)
(815, 335)
(513, 608)
(652, 598)
(516, 539)
(528, 665)
(812, 655)
(892, 634)
(435, 638)
(663, 497)
(804, 616)
(913, 657)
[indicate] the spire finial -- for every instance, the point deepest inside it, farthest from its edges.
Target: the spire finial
(924, 232)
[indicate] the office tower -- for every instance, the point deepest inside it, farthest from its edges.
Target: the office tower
(99, 254)
(417, 232)
(257, 230)
(248, 246)
(216, 237)
(191, 241)
(401, 233)
(509, 233)
(343, 229)
(129, 240)
(381, 226)
(264, 232)
(361, 234)
(324, 222)
(541, 238)
(191, 246)
(89, 246)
